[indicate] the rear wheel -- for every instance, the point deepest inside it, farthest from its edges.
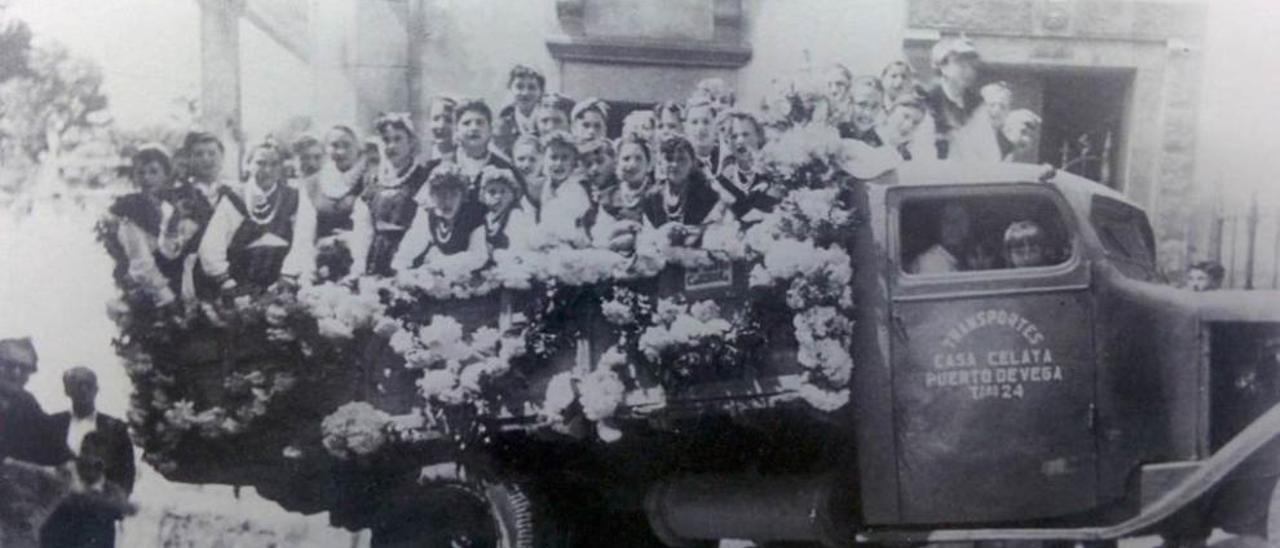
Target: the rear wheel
(470, 514)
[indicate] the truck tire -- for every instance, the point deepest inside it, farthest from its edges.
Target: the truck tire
(473, 514)
(1272, 530)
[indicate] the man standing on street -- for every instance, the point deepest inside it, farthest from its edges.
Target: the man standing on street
(100, 442)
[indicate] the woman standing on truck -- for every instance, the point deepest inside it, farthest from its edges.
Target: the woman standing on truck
(620, 212)
(152, 233)
(391, 196)
(448, 224)
(685, 198)
(344, 225)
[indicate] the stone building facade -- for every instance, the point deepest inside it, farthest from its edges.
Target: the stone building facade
(1116, 81)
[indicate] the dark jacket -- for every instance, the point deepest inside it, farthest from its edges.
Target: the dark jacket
(119, 448)
(700, 199)
(26, 432)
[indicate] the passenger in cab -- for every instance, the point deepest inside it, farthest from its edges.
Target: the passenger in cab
(746, 193)
(344, 225)
(947, 255)
(1205, 276)
(685, 198)
(156, 237)
(261, 235)
(391, 195)
(620, 211)
(447, 224)
(1026, 245)
(507, 224)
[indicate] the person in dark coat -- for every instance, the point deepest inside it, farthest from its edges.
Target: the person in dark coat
(952, 99)
(104, 465)
(26, 432)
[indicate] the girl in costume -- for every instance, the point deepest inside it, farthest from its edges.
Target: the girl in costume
(390, 197)
(447, 224)
(155, 236)
(507, 223)
(620, 212)
(344, 225)
(685, 198)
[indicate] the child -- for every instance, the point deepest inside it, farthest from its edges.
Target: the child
(1025, 245)
(898, 127)
(310, 154)
(685, 198)
(507, 224)
(620, 214)
(669, 119)
(896, 79)
(526, 154)
(440, 116)
(473, 134)
(263, 234)
(741, 189)
(1205, 276)
(717, 92)
(344, 225)
(596, 160)
(391, 196)
(866, 106)
(552, 114)
(505, 132)
(982, 140)
(639, 123)
(155, 237)
(699, 129)
(565, 197)
(589, 118)
(447, 224)
(526, 86)
(838, 80)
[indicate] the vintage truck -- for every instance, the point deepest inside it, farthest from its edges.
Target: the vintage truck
(1079, 399)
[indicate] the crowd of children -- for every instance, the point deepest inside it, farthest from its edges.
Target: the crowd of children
(541, 168)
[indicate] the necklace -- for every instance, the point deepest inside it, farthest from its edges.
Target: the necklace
(263, 214)
(674, 211)
(443, 230)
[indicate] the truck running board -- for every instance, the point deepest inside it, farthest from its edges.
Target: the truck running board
(1208, 474)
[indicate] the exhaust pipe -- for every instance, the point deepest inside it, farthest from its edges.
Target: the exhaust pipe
(685, 510)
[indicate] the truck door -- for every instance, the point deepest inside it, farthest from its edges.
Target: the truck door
(993, 363)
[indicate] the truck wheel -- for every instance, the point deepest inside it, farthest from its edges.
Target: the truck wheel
(472, 514)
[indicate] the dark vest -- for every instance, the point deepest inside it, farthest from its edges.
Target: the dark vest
(147, 215)
(699, 200)
(260, 266)
(745, 200)
(470, 217)
(393, 209)
(334, 214)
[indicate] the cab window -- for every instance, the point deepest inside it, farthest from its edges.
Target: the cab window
(965, 233)
(1126, 236)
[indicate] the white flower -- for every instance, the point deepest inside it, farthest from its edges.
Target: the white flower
(600, 393)
(560, 395)
(356, 428)
(823, 400)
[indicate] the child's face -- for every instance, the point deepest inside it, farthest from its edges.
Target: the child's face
(1025, 253)
(150, 177)
(441, 123)
(550, 119)
(837, 85)
(525, 156)
(633, 165)
(903, 121)
(266, 167)
(206, 161)
(867, 103)
(311, 159)
(961, 70)
(589, 126)
(497, 197)
(669, 126)
(526, 92)
(558, 162)
(1198, 280)
(398, 145)
(699, 127)
(895, 78)
(342, 149)
(997, 108)
(473, 130)
(446, 200)
(597, 165)
(743, 138)
(676, 166)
